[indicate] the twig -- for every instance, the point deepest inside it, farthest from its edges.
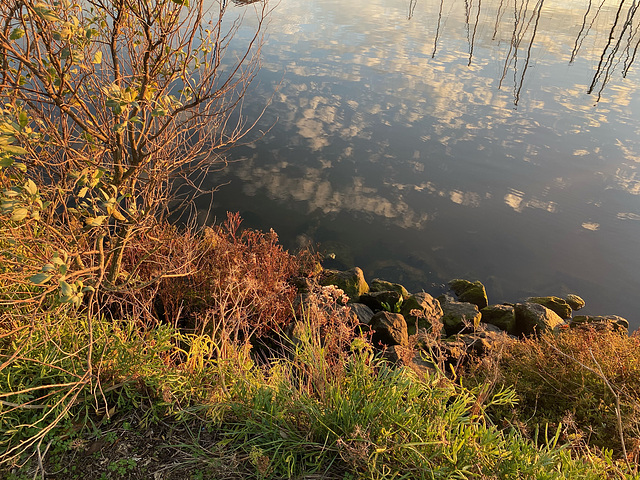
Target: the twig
(602, 376)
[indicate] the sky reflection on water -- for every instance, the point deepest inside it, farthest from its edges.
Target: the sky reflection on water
(427, 140)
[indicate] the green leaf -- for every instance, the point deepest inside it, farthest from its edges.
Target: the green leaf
(95, 222)
(47, 14)
(14, 149)
(40, 278)
(31, 187)
(65, 289)
(57, 260)
(16, 34)
(119, 128)
(7, 205)
(6, 162)
(19, 214)
(184, 3)
(23, 119)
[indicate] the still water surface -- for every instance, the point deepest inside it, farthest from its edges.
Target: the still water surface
(496, 140)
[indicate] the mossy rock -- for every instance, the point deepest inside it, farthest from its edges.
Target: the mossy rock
(501, 316)
(470, 292)
(351, 281)
(389, 329)
(574, 301)
(535, 319)
(614, 322)
(456, 315)
(428, 307)
(555, 304)
(378, 285)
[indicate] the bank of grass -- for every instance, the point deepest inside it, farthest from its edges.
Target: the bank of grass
(116, 394)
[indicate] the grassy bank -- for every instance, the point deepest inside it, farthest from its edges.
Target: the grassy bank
(220, 373)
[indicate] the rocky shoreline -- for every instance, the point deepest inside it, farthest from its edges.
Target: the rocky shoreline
(457, 324)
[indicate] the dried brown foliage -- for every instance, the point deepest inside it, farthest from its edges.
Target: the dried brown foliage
(225, 278)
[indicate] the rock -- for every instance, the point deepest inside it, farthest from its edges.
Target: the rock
(480, 328)
(556, 304)
(389, 329)
(488, 328)
(444, 298)
(574, 301)
(482, 343)
(502, 316)
(378, 285)
(303, 284)
(469, 292)
(351, 281)
(428, 308)
(388, 300)
(362, 312)
(456, 315)
(534, 319)
(404, 356)
(613, 322)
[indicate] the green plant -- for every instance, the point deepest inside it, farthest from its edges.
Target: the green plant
(45, 384)
(122, 466)
(395, 308)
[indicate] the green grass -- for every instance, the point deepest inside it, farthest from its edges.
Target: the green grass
(297, 417)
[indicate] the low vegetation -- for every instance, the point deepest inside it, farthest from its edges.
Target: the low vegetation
(191, 392)
(132, 349)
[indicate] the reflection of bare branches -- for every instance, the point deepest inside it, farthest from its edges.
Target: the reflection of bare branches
(498, 16)
(435, 42)
(526, 63)
(579, 40)
(629, 60)
(467, 8)
(412, 7)
(522, 24)
(475, 29)
(621, 49)
(627, 50)
(516, 37)
(605, 67)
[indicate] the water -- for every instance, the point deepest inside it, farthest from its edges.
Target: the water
(429, 140)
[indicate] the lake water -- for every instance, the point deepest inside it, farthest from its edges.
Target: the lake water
(429, 140)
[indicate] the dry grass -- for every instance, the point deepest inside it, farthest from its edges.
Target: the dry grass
(585, 379)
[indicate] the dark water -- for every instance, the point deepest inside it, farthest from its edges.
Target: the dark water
(428, 140)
